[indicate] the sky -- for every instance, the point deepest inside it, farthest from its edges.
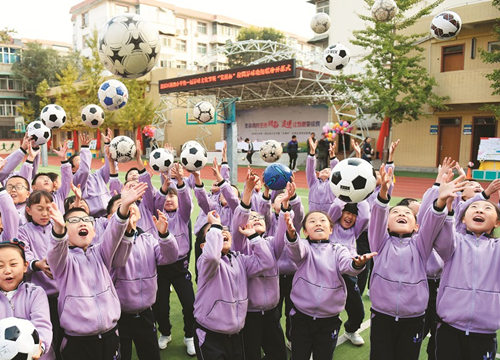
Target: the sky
(50, 19)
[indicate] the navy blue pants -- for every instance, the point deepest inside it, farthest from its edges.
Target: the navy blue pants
(431, 318)
(285, 290)
(141, 329)
(96, 347)
(354, 304)
(211, 345)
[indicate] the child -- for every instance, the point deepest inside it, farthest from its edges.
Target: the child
(399, 291)
(136, 283)
(9, 218)
(221, 302)
(88, 304)
(21, 299)
(320, 194)
(318, 290)
(468, 299)
(350, 220)
(178, 207)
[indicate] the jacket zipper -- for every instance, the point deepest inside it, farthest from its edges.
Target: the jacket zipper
(474, 277)
(399, 281)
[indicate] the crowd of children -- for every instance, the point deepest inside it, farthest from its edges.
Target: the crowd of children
(94, 271)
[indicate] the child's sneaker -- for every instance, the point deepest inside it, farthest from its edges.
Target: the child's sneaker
(163, 341)
(355, 338)
(189, 342)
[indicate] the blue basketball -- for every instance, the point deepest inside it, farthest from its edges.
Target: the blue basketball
(276, 176)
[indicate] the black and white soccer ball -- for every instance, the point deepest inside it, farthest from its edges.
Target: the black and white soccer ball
(270, 151)
(384, 10)
(53, 116)
(93, 116)
(193, 156)
(38, 132)
(203, 112)
(122, 149)
(129, 45)
(336, 57)
(112, 94)
(320, 23)
(18, 339)
(161, 160)
(353, 180)
(446, 25)
(189, 143)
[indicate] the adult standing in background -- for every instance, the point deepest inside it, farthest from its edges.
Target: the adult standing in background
(323, 155)
(293, 153)
(250, 151)
(367, 150)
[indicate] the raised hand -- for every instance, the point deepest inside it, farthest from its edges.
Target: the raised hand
(3, 162)
(447, 164)
(63, 150)
(213, 218)
(77, 190)
(26, 141)
(161, 222)
(216, 170)
(131, 195)
(108, 136)
(57, 218)
(312, 146)
(493, 187)
(247, 230)
(224, 152)
(392, 150)
(361, 260)
(133, 218)
(288, 194)
(85, 139)
(290, 229)
(331, 149)
(166, 182)
(138, 151)
(177, 172)
(356, 148)
(449, 189)
(385, 181)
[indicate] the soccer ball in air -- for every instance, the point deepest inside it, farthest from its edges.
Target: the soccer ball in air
(193, 156)
(18, 339)
(128, 46)
(336, 57)
(320, 23)
(53, 116)
(122, 149)
(353, 180)
(113, 95)
(203, 112)
(270, 151)
(384, 10)
(276, 176)
(38, 132)
(446, 25)
(189, 143)
(93, 115)
(161, 160)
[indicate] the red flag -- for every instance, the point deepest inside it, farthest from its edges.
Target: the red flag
(98, 143)
(75, 140)
(384, 132)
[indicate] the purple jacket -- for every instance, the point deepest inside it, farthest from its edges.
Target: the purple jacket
(12, 161)
(320, 195)
(30, 303)
(208, 204)
(62, 193)
(318, 289)
(21, 210)
(347, 237)
(136, 282)
(10, 216)
(94, 186)
(36, 239)
(201, 219)
(148, 205)
(371, 199)
(222, 299)
(88, 302)
(178, 220)
(469, 292)
(398, 285)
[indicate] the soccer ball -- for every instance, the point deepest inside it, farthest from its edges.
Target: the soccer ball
(161, 160)
(129, 46)
(38, 132)
(336, 57)
(122, 149)
(276, 176)
(113, 95)
(353, 180)
(18, 339)
(193, 156)
(384, 10)
(189, 143)
(446, 25)
(53, 116)
(270, 151)
(320, 23)
(203, 112)
(93, 115)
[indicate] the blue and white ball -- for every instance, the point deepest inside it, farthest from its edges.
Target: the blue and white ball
(276, 176)
(113, 95)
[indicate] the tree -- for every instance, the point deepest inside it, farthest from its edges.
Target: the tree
(394, 84)
(27, 110)
(253, 33)
(492, 58)
(92, 69)
(6, 35)
(139, 110)
(69, 97)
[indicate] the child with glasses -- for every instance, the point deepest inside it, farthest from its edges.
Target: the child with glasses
(89, 308)
(21, 299)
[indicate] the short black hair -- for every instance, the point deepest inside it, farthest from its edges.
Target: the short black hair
(19, 177)
(70, 200)
(406, 202)
(73, 210)
(53, 176)
(200, 239)
(111, 203)
(35, 198)
(72, 158)
(128, 172)
(172, 191)
(247, 139)
(13, 245)
(294, 136)
(39, 175)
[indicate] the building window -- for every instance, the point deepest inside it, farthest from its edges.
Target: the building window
(214, 28)
(181, 64)
(163, 63)
(202, 27)
(181, 45)
(9, 55)
(167, 41)
(7, 83)
(323, 6)
(493, 46)
(8, 108)
(85, 19)
(202, 48)
(121, 9)
(226, 30)
(452, 58)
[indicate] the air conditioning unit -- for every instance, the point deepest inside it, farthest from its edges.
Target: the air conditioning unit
(196, 34)
(185, 31)
(178, 31)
